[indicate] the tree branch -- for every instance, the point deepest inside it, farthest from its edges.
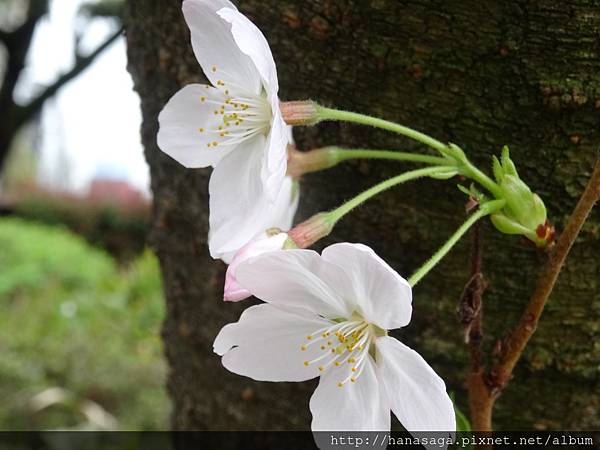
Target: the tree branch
(518, 339)
(17, 44)
(17, 116)
(81, 64)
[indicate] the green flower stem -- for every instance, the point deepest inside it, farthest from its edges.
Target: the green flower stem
(468, 169)
(335, 215)
(340, 154)
(324, 113)
(472, 172)
(484, 210)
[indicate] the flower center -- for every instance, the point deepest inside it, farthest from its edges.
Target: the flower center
(344, 345)
(240, 116)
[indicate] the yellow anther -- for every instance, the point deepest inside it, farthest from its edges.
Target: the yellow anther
(351, 360)
(306, 363)
(354, 369)
(202, 99)
(321, 368)
(340, 384)
(353, 379)
(220, 83)
(222, 134)
(201, 130)
(337, 363)
(328, 342)
(323, 347)
(303, 348)
(309, 337)
(214, 68)
(215, 143)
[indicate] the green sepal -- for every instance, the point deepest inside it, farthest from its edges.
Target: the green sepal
(507, 164)
(497, 169)
(509, 226)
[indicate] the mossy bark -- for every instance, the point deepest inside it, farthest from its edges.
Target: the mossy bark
(478, 73)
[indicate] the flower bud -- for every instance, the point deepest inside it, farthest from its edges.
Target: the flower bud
(300, 163)
(525, 211)
(271, 240)
(300, 112)
(310, 231)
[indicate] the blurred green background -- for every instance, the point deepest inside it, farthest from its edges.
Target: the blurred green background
(79, 334)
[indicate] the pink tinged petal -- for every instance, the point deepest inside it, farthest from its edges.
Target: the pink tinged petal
(252, 42)
(356, 406)
(417, 394)
(187, 125)
(224, 64)
(383, 297)
(266, 344)
(237, 201)
(295, 278)
(234, 291)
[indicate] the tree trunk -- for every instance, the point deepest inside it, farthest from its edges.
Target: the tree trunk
(478, 73)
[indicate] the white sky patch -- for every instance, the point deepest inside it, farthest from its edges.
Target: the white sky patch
(91, 127)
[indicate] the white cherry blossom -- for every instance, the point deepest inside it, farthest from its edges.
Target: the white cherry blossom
(327, 316)
(234, 125)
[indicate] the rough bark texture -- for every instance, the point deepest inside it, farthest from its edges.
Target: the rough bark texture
(478, 73)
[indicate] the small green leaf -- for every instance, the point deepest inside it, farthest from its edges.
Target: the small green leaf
(444, 174)
(464, 190)
(462, 423)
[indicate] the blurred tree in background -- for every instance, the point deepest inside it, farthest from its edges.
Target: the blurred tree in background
(18, 21)
(478, 73)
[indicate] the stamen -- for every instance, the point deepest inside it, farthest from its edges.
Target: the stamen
(354, 338)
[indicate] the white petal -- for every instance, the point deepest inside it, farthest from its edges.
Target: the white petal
(290, 134)
(283, 211)
(186, 125)
(383, 296)
(227, 240)
(417, 394)
(265, 344)
(296, 278)
(253, 43)
(237, 200)
(216, 50)
(358, 406)
(275, 164)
